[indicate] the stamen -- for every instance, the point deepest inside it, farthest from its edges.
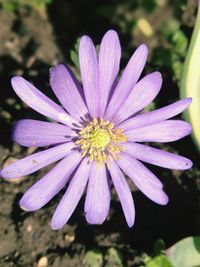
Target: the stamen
(99, 139)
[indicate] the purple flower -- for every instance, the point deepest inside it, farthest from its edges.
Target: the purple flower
(98, 134)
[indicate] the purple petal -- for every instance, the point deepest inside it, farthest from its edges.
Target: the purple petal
(36, 161)
(157, 156)
(123, 192)
(142, 94)
(145, 180)
(97, 201)
(89, 74)
(109, 59)
(165, 131)
(64, 87)
(30, 95)
(40, 133)
(128, 80)
(47, 187)
(156, 116)
(72, 196)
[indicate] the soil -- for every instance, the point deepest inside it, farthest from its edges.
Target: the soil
(31, 42)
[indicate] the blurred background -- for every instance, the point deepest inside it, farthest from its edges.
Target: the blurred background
(36, 34)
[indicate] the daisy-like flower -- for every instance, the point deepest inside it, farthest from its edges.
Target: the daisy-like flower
(97, 134)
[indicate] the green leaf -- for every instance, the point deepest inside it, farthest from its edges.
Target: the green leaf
(74, 54)
(185, 253)
(150, 107)
(179, 42)
(159, 247)
(148, 5)
(162, 57)
(74, 58)
(12, 5)
(177, 68)
(113, 258)
(167, 28)
(190, 83)
(159, 261)
(93, 259)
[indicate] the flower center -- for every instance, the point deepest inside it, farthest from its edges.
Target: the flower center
(100, 139)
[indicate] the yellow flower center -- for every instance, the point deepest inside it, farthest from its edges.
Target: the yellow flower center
(100, 139)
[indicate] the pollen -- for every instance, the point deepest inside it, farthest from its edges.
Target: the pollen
(100, 140)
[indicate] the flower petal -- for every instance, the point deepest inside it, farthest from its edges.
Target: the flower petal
(40, 133)
(156, 116)
(123, 192)
(165, 131)
(142, 94)
(97, 201)
(109, 60)
(36, 161)
(47, 187)
(30, 95)
(89, 74)
(127, 81)
(72, 196)
(66, 90)
(145, 180)
(157, 156)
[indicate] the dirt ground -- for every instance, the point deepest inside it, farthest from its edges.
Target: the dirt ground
(31, 42)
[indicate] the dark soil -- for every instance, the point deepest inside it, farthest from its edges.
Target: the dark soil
(30, 43)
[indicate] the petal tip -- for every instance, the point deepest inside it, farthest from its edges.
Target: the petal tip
(143, 47)
(188, 101)
(95, 218)
(55, 226)
(130, 224)
(15, 80)
(157, 74)
(85, 39)
(164, 201)
(23, 208)
(57, 66)
(4, 173)
(26, 205)
(112, 33)
(188, 164)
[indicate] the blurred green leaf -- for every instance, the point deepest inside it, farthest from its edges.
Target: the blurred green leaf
(177, 68)
(93, 259)
(74, 58)
(159, 247)
(150, 107)
(113, 258)
(12, 5)
(179, 42)
(185, 253)
(159, 261)
(167, 28)
(74, 54)
(148, 5)
(106, 10)
(162, 57)
(8, 6)
(190, 82)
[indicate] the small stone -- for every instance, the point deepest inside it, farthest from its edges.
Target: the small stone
(29, 228)
(70, 237)
(31, 150)
(43, 262)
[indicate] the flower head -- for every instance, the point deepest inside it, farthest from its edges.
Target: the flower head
(97, 135)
